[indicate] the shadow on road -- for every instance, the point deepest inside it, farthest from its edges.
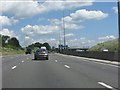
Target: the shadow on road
(39, 60)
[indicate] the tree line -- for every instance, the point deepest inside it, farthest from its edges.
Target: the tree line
(8, 42)
(39, 45)
(13, 42)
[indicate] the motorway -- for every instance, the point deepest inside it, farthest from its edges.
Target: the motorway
(60, 71)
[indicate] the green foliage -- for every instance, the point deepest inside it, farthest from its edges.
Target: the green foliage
(8, 42)
(47, 46)
(111, 45)
(10, 45)
(4, 40)
(39, 45)
(13, 42)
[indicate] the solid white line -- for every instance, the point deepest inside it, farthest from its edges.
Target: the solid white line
(109, 63)
(67, 66)
(106, 64)
(14, 67)
(105, 85)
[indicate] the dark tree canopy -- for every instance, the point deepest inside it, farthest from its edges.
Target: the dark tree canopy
(6, 41)
(47, 46)
(14, 42)
(37, 44)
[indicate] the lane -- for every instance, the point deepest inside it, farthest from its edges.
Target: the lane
(14, 58)
(10, 61)
(59, 72)
(100, 72)
(46, 74)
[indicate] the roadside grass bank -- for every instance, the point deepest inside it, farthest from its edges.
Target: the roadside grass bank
(10, 51)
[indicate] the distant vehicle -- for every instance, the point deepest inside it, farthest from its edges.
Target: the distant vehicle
(41, 54)
(43, 48)
(104, 49)
(28, 50)
(80, 50)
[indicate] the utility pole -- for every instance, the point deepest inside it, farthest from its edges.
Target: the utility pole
(119, 29)
(119, 17)
(59, 45)
(64, 31)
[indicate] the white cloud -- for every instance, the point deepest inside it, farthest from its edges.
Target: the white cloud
(55, 21)
(26, 41)
(47, 29)
(115, 9)
(4, 20)
(106, 38)
(83, 14)
(81, 42)
(8, 32)
(69, 26)
(39, 30)
(24, 9)
(51, 41)
(27, 37)
(65, 4)
(69, 35)
(68, 19)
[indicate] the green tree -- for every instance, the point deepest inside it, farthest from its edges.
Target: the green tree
(37, 44)
(47, 46)
(4, 39)
(14, 42)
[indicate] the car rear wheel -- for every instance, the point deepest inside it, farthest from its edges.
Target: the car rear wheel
(35, 58)
(46, 58)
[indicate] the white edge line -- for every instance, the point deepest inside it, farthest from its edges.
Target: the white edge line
(110, 63)
(67, 66)
(14, 67)
(105, 85)
(106, 64)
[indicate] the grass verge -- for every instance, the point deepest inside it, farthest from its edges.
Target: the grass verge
(10, 51)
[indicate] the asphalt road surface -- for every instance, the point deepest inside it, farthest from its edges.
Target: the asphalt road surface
(60, 71)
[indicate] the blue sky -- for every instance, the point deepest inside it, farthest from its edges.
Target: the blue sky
(86, 23)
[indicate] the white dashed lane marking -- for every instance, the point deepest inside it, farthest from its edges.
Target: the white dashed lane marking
(56, 61)
(105, 85)
(67, 66)
(14, 67)
(22, 61)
